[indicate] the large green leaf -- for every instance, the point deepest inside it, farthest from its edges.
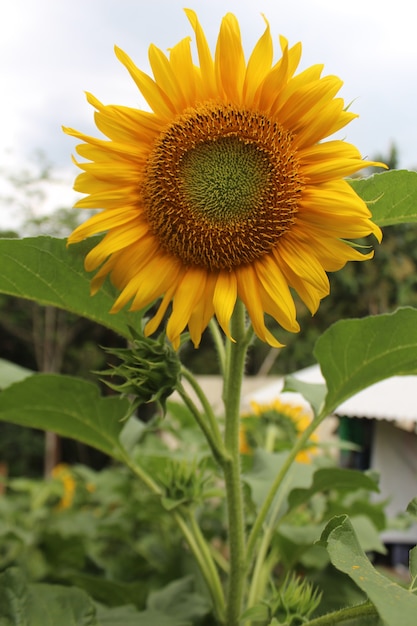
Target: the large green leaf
(394, 604)
(354, 354)
(68, 406)
(391, 196)
(41, 604)
(45, 270)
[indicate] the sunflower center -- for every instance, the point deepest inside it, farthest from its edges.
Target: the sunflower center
(224, 179)
(221, 186)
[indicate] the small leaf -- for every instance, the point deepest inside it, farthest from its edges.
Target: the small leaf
(327, 479)
(413, 562)
(314, 393)
(412, 507)
(257, 613)
(68, 406)
(45, 270)
(391, 196)
(394, 604)
(354, 354)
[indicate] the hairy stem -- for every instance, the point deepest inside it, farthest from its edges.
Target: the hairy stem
(235, 362)
(206, 406)
(213, 439)
(344, 615)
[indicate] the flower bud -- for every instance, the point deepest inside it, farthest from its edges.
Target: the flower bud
(149, 370)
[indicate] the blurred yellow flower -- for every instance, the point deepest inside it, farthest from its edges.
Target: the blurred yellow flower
(63, 473)
(277, 427)
(224, 190)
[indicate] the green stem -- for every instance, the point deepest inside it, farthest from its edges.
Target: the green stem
(343, 615)
(235, 362)
(258, 577)
(207, 565)
(208, 410)
(219, 344)
(195, 540)
(214, 440)
(142, 475)
(260, 520)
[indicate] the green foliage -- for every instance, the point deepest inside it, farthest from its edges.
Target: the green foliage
(68, 406)
(45, 270)
(38, 604)
(354, 354)
(346, 554)
(391, 196)
(42, 605)
(115, 547)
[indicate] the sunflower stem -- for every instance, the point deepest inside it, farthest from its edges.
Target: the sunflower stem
(343, 615)
(279, 479)
(235, 363)
(195, 540)
(210, 571)
(208, 410)
(213, 439)
(219, 344)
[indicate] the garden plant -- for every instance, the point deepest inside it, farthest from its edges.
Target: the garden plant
(217, 207)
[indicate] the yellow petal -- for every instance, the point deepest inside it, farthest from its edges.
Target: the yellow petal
(248, 292)
(224, 300)
(182, 67)
(101, 222)
(153, 94)
(259, 64)
(203, 311)
(165, 77)
(186, 297)
(156, 320)
(208, 83)
(230, 60)
(116, 239)
(281, 304)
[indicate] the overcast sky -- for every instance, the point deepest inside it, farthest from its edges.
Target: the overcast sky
(51, 51)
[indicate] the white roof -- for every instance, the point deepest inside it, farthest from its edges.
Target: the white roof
(392, 399)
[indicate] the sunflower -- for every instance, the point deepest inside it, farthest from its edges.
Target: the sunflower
(276, 426)
(224, 190)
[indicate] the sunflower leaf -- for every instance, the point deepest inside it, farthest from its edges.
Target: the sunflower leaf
(68, 406)
(354, 354)
(41, 604)
(391, 196)
(45, 270)
(347, 556)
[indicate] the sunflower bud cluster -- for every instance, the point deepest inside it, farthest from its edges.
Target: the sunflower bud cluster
(184, 482)
(149, 371)
(295, 601)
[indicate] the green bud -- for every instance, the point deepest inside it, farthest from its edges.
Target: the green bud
(149, 370)
(295, 601)
(184, 482)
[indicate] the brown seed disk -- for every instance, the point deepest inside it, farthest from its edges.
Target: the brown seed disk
(222, 185)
